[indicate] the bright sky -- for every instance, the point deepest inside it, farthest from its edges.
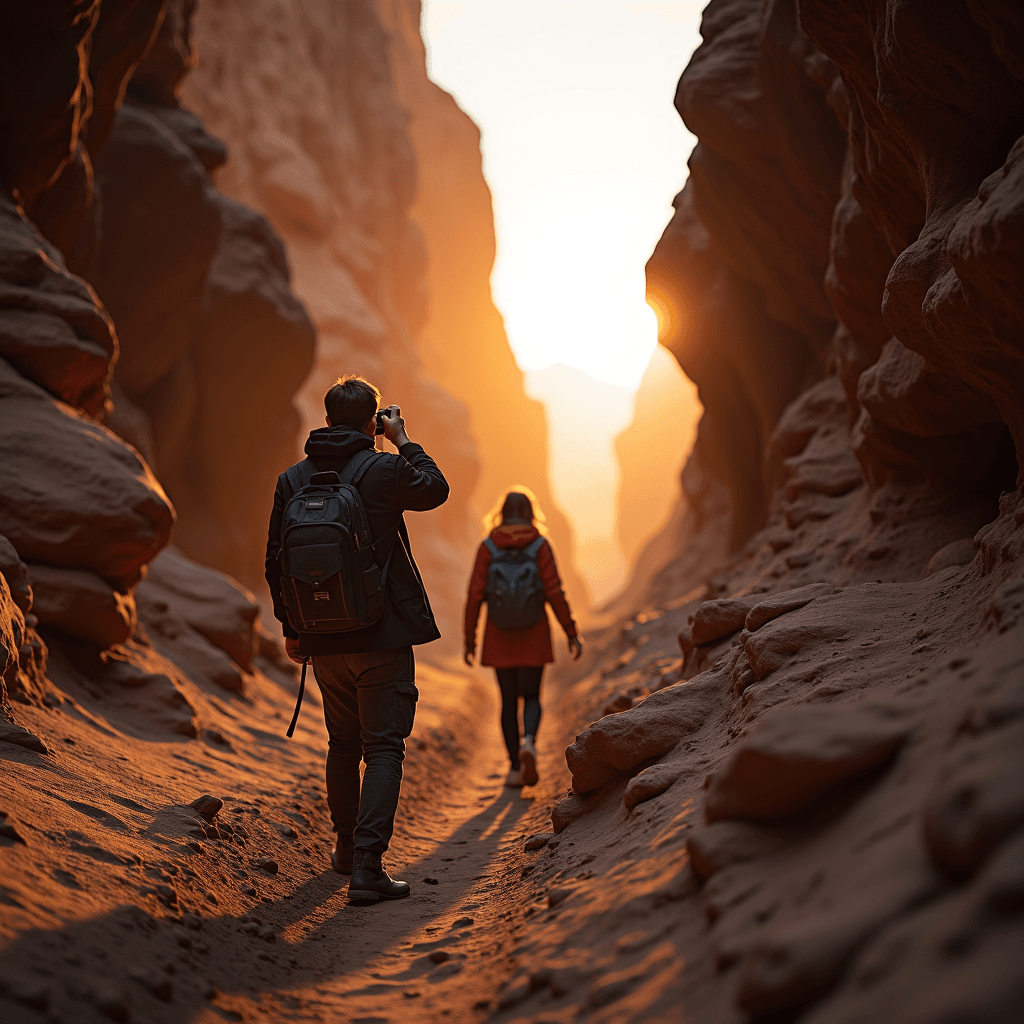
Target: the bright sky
(583, 152)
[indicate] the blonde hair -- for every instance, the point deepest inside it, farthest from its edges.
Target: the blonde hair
(496, 516)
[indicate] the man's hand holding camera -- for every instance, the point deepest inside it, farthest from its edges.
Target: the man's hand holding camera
(391, 425)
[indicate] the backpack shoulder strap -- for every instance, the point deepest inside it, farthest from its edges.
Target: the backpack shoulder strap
(358, 465)
(491, 546)
(534, 546)
(299, 475)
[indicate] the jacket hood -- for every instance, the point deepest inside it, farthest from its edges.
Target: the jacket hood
(514, 535)
(336, 443)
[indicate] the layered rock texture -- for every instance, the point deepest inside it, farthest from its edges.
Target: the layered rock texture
(139, 313)
(826, 787)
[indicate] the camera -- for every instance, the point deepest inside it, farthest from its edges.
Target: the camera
(381, 413)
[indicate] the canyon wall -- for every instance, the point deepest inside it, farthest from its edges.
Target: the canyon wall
(149, 350)
(810, 749)
(463, 338)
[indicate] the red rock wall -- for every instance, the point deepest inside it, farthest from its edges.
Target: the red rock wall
(106, 196)
(319, 144)
(826, 789)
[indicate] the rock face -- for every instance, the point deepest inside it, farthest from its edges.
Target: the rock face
(840, 779)
(319, 145)
(213, 343)
(116, 197)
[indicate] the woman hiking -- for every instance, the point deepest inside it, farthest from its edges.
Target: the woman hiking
(516, 575)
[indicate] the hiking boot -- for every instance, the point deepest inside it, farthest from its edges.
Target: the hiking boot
(371, 882)
(528, 762)
(515, 778)
(341, 858)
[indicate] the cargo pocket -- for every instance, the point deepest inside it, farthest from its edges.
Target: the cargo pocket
(405, 678)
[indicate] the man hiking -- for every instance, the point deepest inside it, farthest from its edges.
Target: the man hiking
(366, 674)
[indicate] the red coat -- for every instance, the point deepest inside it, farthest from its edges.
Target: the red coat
(508, 648)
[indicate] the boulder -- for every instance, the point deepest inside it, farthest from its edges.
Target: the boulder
(72, 494)
(787, 601)
(210, 602)
(616, 744)
(717, 619)
(798, 755)
(52, 328)
(14, 570)
(978, 799)
(79, 604)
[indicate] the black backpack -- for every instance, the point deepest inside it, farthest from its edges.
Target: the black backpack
(514, 591)
(330, 580)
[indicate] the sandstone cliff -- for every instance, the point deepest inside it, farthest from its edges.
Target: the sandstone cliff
(832, 803)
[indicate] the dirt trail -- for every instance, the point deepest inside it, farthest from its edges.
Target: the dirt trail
(124, 904)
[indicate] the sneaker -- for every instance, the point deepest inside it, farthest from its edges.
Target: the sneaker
(528, 762)
(515, 778)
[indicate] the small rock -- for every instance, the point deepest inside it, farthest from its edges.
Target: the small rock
(207, 806)
(8, 831)
(411, 995)
(538, 841)
(440, 956)
(249, 890)
(267, 934)
(284, 830)
(208, 990)
(166, 895)
(113, 1003)
(267, 864)
(30, 993)
(11, 733)
(559, 894)
(462, 922)
(430, 881)
(192, 921)
(154, 981)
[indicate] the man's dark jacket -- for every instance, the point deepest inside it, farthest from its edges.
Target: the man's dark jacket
(409, 480)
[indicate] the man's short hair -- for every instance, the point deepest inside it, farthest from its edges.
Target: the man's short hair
(350, 401)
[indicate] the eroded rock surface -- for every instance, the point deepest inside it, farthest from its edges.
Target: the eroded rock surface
(847, 803)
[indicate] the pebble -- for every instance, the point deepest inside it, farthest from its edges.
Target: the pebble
(154, 981)
(192, 921)
(430, 881)
(249, 890)
(462, 922)
(539, 841)
(558, 895)
(440, 956)
(267, 864)
(113, 1003)
(208, 806)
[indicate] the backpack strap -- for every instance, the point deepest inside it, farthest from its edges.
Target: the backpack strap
(300, 474)
(491, 546)
(534, 546)
(357, 466)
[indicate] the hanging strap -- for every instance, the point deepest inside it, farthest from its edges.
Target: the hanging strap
(298, 700)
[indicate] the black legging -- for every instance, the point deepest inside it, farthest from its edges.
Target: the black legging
(522, 681)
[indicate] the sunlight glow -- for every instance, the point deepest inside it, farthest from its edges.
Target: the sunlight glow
(583, 152)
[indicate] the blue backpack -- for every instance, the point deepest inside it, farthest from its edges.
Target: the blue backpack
(514, 591)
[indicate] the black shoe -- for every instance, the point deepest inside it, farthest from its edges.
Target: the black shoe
(341, 858)
(371, 882)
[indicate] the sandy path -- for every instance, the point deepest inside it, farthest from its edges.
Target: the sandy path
(89, 940)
